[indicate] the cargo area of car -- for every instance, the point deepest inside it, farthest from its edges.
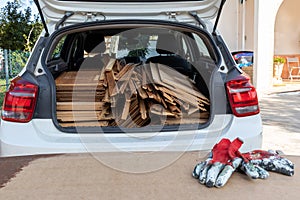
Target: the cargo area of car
(142, 87)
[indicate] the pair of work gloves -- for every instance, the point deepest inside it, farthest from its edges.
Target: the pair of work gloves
(225, 158)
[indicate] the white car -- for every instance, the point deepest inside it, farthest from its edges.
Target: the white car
(129, 76)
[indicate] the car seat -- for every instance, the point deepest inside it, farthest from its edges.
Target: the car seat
(94, 46)
(167, 47)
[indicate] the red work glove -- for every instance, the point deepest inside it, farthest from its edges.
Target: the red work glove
(218, 168)
(256, 164)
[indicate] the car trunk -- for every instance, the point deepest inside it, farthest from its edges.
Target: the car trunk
(144, 85)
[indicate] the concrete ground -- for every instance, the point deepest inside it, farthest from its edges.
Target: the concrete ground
(81, 176)
(280, 111)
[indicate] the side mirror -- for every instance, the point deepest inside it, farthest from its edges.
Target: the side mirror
(243, 58)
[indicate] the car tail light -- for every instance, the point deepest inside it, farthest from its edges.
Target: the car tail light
(242, 96)
(19, 101)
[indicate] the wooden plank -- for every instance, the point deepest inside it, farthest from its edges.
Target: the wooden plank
(79, 96)
(79, 99)
(142, 93)
(193, 110)
(80, 87)
(112, 86)
(79, 105)
(174, 108)
(70, 116)
(102, 74)
(156, 96)
(132, 87)
(104, 111)
(155, 74)
(106, 97)
(143, 110)
(126, 107)
(178, 121)
(188, 98)
(110, 65)
(78, 78)
(124, 86)
(177, 81)
(85, 124)
(159, 110)
(198, 114)
(183, 105)
(168, 97)
(144, 79)
(125, 69)
(125, 79)
(118, 66)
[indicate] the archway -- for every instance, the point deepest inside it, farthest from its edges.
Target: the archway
(287, 32)
(264, 23)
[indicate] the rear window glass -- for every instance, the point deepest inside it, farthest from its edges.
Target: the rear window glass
(57, 52)
(139, 43)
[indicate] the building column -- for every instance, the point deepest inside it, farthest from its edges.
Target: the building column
(264, 24)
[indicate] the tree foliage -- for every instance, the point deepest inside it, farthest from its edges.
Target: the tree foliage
(18, 28)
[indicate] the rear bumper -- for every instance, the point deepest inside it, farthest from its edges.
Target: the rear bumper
(40, 136)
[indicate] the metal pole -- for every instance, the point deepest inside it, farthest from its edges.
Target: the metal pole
(9, 63)
(6, 68)
(243, 25)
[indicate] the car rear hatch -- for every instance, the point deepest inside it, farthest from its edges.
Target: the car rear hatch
(59, 12)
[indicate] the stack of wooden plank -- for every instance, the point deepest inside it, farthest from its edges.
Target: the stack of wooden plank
(129, 96)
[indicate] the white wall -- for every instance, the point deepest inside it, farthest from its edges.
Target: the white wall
(228, 24)
(287, 28)
(249, 42)
(231, 24)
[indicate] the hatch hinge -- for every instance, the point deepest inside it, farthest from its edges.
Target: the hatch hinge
(93, 16)
(172, 15)
(90, 16)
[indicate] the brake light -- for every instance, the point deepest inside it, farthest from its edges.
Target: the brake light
(19, 101)
(242, 97)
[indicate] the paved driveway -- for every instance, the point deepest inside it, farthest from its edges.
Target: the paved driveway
(281, 122)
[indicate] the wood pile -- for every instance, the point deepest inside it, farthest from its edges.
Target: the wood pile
(129, 96)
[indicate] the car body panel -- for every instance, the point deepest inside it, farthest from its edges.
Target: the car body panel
(54, 10)
(40, 136)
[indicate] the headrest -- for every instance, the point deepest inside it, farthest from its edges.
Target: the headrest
(94, 42)
(166, 44)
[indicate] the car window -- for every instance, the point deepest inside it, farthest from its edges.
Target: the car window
(142, 45)
(201, 45)
(58, 49)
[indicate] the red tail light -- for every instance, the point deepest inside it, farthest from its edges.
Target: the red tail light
(19, 101)
(242, 97)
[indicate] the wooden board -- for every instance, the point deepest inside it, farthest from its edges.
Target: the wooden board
(85, 124)
(178, 121)
(81, 116)
(126, 95)
(85, 106)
